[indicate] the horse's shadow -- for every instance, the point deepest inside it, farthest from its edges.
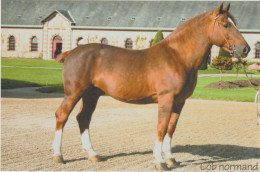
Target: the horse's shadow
(217, 153)
(213, 152)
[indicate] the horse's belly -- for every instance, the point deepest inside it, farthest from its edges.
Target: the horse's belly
(143, 100)
(127, 90)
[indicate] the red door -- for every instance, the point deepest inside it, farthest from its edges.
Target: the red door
(56, 46)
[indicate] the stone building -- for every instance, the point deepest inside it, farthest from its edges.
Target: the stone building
(43, 29)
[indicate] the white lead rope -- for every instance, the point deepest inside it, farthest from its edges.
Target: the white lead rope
(256, 96)
(257, 104)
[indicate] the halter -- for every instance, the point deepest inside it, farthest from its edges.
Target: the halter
(230, 46)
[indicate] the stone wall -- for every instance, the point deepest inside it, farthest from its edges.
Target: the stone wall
(60, 26)
(23, 38)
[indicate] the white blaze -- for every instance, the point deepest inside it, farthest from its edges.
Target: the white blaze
(231, 21)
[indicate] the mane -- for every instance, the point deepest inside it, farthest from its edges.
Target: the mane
(198, 18)
(193, 19)
(188, 23)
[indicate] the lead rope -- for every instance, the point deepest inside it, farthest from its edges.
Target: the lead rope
(256, 96)
(243, 67)
(257, 106)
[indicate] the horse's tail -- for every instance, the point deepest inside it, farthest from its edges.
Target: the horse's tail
(61, 57)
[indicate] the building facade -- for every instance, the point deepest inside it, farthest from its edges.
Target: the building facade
(68, 24)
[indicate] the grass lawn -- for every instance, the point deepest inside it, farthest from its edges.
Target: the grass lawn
(48, 76)
(18, 73)
(212, 70)
(240, 94)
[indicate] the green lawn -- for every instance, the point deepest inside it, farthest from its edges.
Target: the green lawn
(240, 94)
(23, 73)
(48, 75)
(211, 70)
(30, 63)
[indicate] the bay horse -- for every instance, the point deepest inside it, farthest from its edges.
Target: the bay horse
(165, 74)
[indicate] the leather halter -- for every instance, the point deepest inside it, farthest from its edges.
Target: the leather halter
(230, 46)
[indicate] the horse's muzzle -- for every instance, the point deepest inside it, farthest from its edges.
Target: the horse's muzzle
(239, 52)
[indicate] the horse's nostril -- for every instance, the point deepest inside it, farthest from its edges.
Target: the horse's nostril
(246, 50)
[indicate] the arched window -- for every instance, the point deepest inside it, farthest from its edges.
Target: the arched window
(257, 51)
(129, 43)
(11, 45)
(34, 44)
(80, 41)
(104, 41)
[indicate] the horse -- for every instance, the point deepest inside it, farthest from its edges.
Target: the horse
(165, 73)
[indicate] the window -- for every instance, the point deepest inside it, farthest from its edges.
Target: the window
(104, 41)
(11, 45)
(80, 41)
(129, 43)
(257, 51)
(34, 44)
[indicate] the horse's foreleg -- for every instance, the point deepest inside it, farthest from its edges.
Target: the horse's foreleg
(165, 103)
(166, 147)
(61, 118)
(84, 117)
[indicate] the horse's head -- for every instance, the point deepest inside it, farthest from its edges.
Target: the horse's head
(225, 34)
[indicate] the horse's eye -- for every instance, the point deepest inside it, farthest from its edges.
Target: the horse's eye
(226, 25)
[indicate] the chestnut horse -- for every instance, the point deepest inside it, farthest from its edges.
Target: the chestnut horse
(165, 74)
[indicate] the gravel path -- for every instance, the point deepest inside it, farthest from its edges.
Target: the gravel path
(222, 133)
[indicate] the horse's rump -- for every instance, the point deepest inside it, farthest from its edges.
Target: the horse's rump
(61, 57)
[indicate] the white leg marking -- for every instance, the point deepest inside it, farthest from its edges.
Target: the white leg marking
(86, 143)
(57, 142)
(157, 152)
(166, 147)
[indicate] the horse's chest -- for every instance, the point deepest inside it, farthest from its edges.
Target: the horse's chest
(187, 88)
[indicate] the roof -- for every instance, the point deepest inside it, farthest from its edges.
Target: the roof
(65, 13)
(124, 14)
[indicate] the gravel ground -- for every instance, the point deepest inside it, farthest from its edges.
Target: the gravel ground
(213, 135)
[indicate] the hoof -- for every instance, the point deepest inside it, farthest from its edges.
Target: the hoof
(171, 163)
(161, 167)
(58, 159)
(94, 159)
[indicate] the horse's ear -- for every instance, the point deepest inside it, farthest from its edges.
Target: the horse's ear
(227, 7)
(219, 10)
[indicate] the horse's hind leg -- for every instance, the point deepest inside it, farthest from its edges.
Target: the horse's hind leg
(89, 102)
(62, 114)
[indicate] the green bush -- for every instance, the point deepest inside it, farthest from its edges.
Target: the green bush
(158, 37)
(222, 63)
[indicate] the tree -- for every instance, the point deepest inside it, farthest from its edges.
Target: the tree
(222, 62)
(238, 65)
(158, 37)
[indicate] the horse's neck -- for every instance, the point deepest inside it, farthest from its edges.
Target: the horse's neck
(191, 41)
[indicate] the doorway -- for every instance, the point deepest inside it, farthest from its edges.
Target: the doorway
(56, 46)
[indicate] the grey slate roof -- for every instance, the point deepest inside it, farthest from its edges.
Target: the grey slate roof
(146, 14)
(65, 13)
